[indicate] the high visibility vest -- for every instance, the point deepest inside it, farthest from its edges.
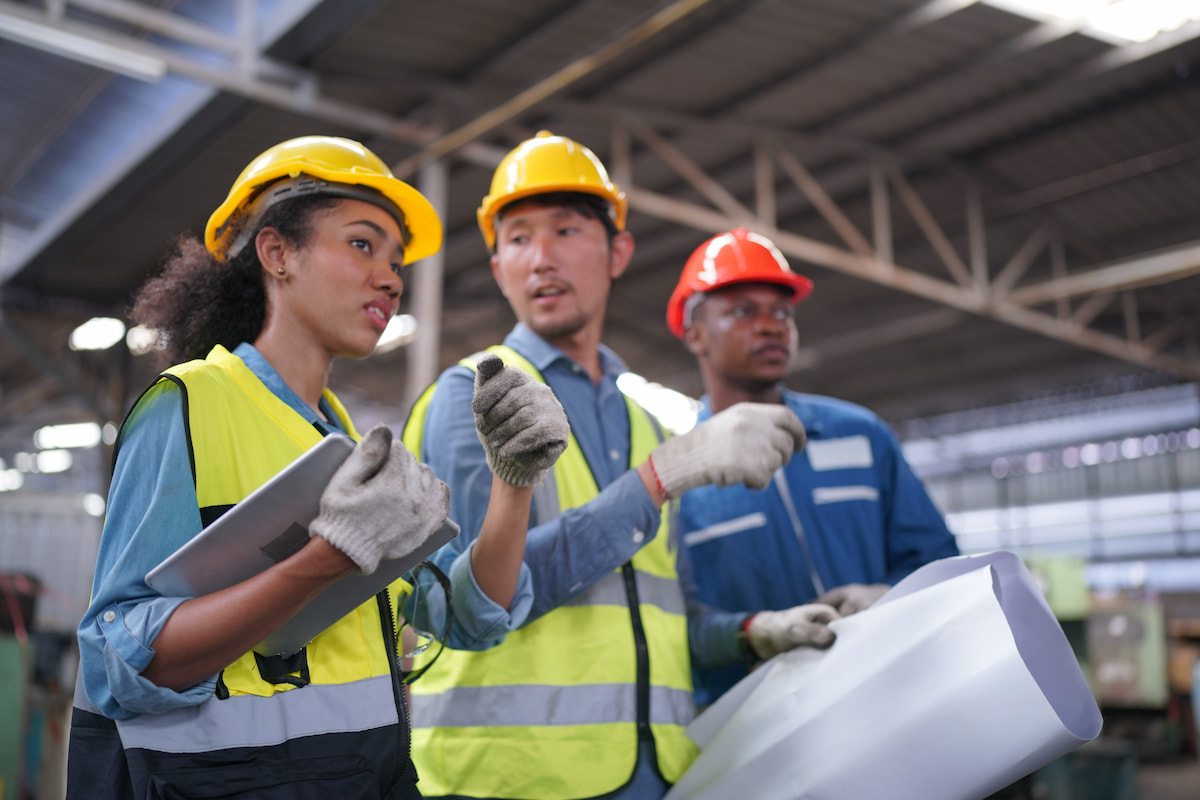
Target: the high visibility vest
(333, 719)
(556, 710)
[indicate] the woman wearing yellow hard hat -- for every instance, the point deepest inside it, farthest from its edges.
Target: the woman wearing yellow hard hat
(300, 264)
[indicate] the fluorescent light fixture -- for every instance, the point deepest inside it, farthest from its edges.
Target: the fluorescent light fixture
(98, 333)
(1142, 20)
(11, 480)
(75, 434)
(1116, 21)
(81, 48)
(51, 461)
(401, 330)
(676, 411)
(141, 340)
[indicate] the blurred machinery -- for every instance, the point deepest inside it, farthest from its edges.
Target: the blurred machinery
(1139, 650)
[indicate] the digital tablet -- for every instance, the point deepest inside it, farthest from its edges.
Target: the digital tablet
(267, 526)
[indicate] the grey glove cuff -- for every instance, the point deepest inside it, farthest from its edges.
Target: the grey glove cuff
(344, 535)
(513, 473)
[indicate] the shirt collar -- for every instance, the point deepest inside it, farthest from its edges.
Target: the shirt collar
(542, 354)
(793, 400)
(265, 372)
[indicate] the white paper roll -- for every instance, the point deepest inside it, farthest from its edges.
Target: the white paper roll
(956, 683)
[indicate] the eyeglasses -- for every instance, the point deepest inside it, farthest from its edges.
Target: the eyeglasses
(426, 608)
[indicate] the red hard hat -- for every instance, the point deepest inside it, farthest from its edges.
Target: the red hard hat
(739, 256)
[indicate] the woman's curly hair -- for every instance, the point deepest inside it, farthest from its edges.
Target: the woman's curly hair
(197, 302)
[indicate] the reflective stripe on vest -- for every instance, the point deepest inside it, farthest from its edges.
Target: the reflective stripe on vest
(552, 712)
(251, 721)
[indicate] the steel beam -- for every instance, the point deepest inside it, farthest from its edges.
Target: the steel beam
(824, 204)
(1147, 270)
(549, 86)
(1072, 330)
(61, 374)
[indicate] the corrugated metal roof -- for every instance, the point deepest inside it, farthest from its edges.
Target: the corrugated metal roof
(1048, 130)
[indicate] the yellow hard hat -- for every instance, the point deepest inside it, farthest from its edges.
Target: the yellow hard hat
(321, 165)
(547, 163)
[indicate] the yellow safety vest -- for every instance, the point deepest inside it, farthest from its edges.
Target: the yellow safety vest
(343, 713)
(554, 712)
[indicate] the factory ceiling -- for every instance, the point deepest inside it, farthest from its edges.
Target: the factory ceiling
(993, 206)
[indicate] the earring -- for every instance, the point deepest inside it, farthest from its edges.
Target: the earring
(281, 271)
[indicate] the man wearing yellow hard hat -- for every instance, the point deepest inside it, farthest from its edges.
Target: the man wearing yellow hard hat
(301, 264)
(591, 696)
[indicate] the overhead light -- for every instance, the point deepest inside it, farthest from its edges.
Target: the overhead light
(141, 340)
(51, 461)
(93, 504)
(1142, 20)
(81, 48)
(98, 333)
(11, 480)
(74, 434)
(44, 461)
(1119, 21)
(401, 330)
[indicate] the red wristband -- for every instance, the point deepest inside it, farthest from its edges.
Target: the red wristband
(746, 623)
(657, 480)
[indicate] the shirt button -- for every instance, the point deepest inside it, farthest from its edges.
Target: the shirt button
(109, 616)
(638, 536)
(576, 369)
(614, 455)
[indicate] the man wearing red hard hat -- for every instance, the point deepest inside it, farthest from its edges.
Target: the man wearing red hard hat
(845, 518)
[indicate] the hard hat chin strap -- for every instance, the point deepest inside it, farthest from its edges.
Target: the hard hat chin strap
(304, 186)
(689, 307)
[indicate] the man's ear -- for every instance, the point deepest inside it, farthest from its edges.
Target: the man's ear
(694, 339)
(498, 274)
(620, 254)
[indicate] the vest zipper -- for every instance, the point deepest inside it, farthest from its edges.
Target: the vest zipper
(642, 653)
(391, 637)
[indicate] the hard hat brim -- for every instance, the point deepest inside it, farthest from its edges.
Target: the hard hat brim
(419, 215)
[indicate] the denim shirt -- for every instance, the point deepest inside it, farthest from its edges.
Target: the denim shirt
(152, 512)
(575, 550)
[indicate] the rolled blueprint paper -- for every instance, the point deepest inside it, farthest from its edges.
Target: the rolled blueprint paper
(953, 685)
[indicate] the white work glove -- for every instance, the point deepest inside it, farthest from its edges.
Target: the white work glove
(770, 633)
(519, 420)
(745, 443)
(381, 503)
(853, 597)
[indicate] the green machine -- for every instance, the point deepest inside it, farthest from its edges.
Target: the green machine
(14, 683)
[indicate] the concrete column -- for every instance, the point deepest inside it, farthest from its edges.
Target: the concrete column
(426, 288)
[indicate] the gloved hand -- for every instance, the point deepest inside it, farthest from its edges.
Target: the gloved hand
(772, 632)
(853, 597)
(381, 503)
(745, 443)
(519, 420)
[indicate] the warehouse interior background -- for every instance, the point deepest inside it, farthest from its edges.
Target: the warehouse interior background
(998, 202)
